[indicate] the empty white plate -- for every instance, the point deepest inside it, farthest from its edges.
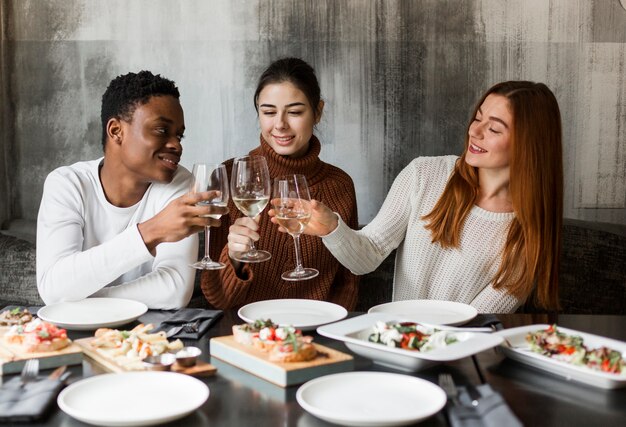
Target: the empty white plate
(371, 399)
(92, 313)
(133, 398)
(305, 314)
(429, 311)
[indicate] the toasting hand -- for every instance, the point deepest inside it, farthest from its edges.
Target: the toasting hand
(322, 222)
(181, 218)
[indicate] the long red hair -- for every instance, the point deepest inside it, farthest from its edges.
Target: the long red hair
(531, 253)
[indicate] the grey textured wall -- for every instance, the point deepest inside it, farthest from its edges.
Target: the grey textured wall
(399, 78)
(6, 136)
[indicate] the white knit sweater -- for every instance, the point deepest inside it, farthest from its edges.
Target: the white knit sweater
(425, 270)
(87, 247)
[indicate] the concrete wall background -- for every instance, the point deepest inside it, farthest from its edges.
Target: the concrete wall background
(399, 78)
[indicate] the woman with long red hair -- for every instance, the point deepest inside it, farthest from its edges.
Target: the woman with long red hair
(481, 229)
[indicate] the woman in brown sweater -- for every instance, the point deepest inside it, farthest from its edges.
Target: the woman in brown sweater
(288, 102)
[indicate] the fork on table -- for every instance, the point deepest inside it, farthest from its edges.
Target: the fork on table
(447, 384)
(30, 371)
(189, 327)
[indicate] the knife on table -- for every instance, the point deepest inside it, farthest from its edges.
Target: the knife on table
(56, 374)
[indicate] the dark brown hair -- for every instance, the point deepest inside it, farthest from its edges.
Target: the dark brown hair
(295, 71)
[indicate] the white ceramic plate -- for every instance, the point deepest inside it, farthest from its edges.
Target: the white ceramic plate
(522, 353)
(92, 313)
(371, 399)
(133, 398)
(303, 314)
(354, 333)
(429, 311)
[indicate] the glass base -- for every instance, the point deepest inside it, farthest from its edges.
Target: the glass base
(252, 257)
(304, 274)
(208, 264)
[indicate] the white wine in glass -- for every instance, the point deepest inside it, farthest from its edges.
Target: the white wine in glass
(213, 178)
(250, 187)
(292, 204)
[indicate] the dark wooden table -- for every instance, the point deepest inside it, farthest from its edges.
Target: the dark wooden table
(238, 398)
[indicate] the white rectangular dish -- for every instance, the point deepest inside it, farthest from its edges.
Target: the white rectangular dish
(522, 353)
(354, 333)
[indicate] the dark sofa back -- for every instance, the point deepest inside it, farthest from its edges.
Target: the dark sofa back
(593, 268)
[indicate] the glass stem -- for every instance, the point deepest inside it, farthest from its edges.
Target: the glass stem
(296, 243)
(207, 236)
(252, 251)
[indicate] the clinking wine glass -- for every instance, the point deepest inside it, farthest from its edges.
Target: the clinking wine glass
(291, 202)
(213, 178)
(250, 187)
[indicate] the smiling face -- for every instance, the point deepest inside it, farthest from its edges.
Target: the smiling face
(286, 118)
(490, 135)
(150, 143)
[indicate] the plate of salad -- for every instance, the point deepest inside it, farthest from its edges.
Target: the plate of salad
(573, 355)
(392, 340)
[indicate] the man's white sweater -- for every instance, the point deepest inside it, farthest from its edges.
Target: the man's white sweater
(87, 247)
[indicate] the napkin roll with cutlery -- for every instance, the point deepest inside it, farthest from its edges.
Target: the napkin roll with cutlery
(30, 401)
(198, 320)
(488, 410)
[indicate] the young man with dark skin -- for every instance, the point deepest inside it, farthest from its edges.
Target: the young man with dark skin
(124, 225)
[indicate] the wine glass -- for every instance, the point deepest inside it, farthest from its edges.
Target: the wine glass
(291, 202)
(210, 177)
(250, 188)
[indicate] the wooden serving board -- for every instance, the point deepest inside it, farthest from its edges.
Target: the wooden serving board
(255, 361)
(13, 358)
(201, 369)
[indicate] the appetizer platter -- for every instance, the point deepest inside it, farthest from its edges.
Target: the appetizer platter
(15, 316)
(570, 354)
(129, 350)
(399, 343)
(24, 337)
(279, 354)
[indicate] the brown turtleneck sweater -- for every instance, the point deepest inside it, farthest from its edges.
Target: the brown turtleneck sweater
(328, 184)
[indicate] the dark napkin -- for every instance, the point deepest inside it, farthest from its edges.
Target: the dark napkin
(189, 315)
(484, 320)
(28, 402)
(491, 411)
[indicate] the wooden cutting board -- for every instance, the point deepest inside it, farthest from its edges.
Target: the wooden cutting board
(13, 358)
(255, 361)
(201, 369)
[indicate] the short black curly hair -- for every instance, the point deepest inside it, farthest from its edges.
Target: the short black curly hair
(126, 92)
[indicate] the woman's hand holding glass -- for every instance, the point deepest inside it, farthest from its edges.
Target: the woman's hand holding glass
(292, 210)
(240, 233)
(250, 187)
(323, 221)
